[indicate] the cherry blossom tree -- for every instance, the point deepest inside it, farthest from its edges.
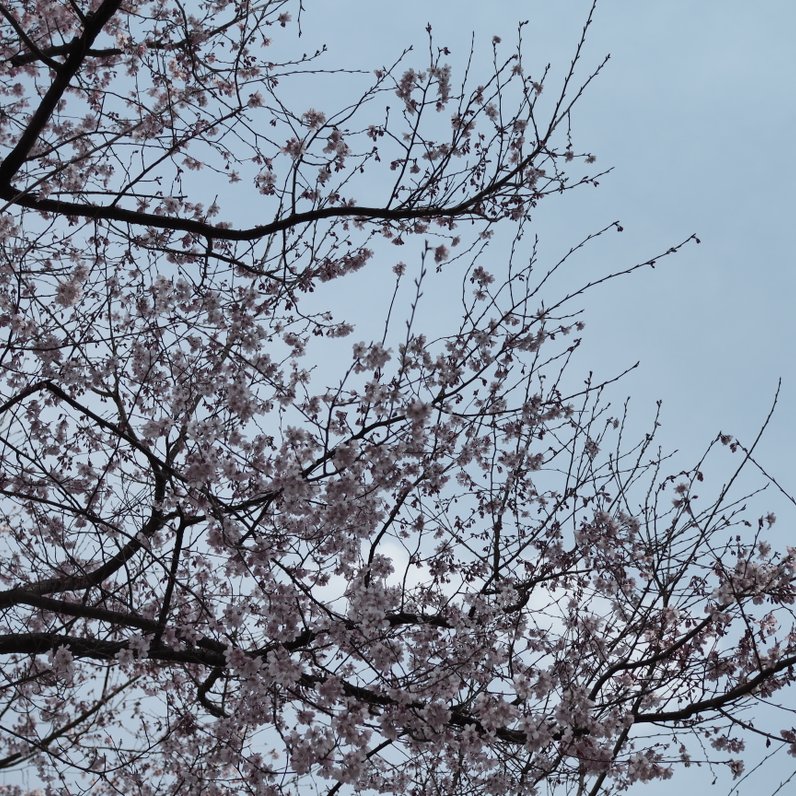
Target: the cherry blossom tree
(253, 545)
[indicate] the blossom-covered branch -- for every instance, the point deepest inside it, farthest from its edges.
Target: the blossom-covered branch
(284, 510)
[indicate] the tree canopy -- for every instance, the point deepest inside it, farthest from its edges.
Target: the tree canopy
(253, 544)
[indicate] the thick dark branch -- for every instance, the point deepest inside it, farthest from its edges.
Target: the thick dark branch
(35, 53)
(95, 577)
(64, 396)
(19, 596)
(156, 518)
(46, 54)
(665, 654)
(458, 717)
(202, 229)
(172, 579)
(470, 207)
(405, 618)
(206, 652)
(64, 74)
(42, 643)
(740, 691)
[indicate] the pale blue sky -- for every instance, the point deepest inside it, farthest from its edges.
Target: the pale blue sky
(695, 112)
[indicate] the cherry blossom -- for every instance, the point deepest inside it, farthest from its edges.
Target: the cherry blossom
(253, 541)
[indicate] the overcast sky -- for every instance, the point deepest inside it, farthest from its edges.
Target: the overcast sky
(696, 112)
